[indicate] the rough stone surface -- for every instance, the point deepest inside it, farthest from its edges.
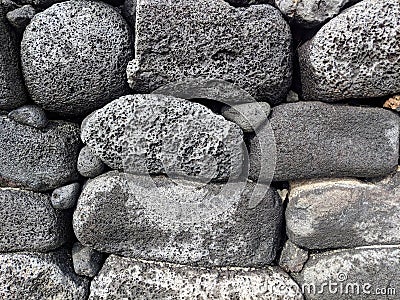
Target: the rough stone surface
(249, 47)
(292, 257)
(239, 3)
(33, 276)
(178, 138)
(316, 139)
(355, 55)
(129, 11)
(87, 261)
(65, 197)
(21, 16)
(38, 159)
(124, 278)
(30, 115)
(74, 56)
(362, 273)
(340, 213)
(29, 223)
(179, 221)
(89, 165)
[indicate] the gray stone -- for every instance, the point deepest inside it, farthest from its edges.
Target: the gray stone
(316, 139)
(129, 11)
(74, 56)
(249, 47)
(29, 223)
(12, 90)
(249, 116)
(87, 261)
(179, 221)
(292, 97)
(8, 5)
(368, 273)
(161, 134)
(292, 257)
(125, 278)
(21, 16)
(239, 3)
(89, 165)
(32, 276)
(38, 159)
(65, 197)
(341, 213)
(355, 55)
(30, 115)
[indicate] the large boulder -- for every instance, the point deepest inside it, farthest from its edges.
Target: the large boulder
(125, 278)
(37, 159)
(180, 221)
(210, 39)
(161, 134)
(355, 55)
(74, 56)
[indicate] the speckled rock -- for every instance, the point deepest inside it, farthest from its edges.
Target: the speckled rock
(87, 261)
(179, 221)
(65, 197)
(249, 116)
(124, 278)
(316, 139)
(292, 257)
(74, 56)
(38, 159)
(249, 47)
(178, 138)
(33, 276)
(89, 165)
(240, 3)
(355, 55)
(367, 273)
(30, 115)
(29, 223)
(21, 16)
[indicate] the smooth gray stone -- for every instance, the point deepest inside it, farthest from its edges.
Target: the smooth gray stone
(30, 115)
(156, 134)
(21, 16)
(33, 276)
(36, 159)
(355, 55)
(125, 278)
(208, 39)
(367, 273)
(74, 56)
(292, 257)
(87, 261)
(315, 139)
(89, 165)
(65, 197)
(179, 221)
(29, 223)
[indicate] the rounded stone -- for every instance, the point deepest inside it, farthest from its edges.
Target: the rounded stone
(30, 115)
(89, 165)
(74, 56)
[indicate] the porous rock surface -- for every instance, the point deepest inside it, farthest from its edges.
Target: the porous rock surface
(179, 221)
(74, 56)
(131, 279)
(250, 47)
(162, 134)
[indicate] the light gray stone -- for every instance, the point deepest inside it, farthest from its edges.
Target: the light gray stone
(33, 276)
(87, 261)
(36, 159)
(292, 97)
(89, 165)
(125, 278)
(161, 134)
(179, 221)
(21, 16)
(292, 257)
(30, 115)
(74, 56)
(189, 39)
(65, 197)
(355, 55)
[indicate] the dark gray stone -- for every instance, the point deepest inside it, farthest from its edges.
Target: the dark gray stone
(30, 115)
(292, 257)
(89, 165)
(239, 3)
(21, 16)
(179, 221)
(129, 11)
(34, 276)
(87, 261)
(36, 159)
(74, 56)
(315, 139)
(125, 278)
(355, 55)
(65, 197)
(208, 39)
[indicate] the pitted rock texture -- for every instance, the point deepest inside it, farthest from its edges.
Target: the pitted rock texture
(29, 223)
(87, 261)
(315, 139)
(340, 213)
(33, 276)
(74, 56)
(365, 273)
(179, 221)
(12, 90)
(125, 278)
(89, 165)
(36, 159)
(355, 55)
(161, 134)
(250, 47)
